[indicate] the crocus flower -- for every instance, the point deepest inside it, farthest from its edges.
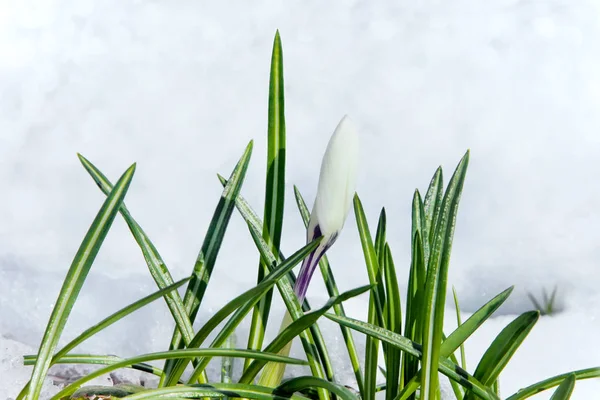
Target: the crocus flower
(337, 182)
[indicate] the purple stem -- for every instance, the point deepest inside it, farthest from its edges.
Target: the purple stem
(310, 264)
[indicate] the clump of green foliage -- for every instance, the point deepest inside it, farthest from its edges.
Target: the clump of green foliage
(547, 304)
(415, 346)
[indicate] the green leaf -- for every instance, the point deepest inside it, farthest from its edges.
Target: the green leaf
(415, 291)
(554, 381)
(90, 359)
(460, 335)
(210, 247)
(445, 366)
(431, 208)
(371, 353)
(108, 321)
(274, 190)
(285, 289)
(437, 276)
(371, 258)
(465, 330)
(302, 383)
(216, 390)
(75, 278)
(172, 354)
(565, 389)
(332, 290)
(295, 328)
(502, 349)
(244, 302)
(463, 357)
(159, 271)
(394, 323)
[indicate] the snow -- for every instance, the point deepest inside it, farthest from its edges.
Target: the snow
(182, 87)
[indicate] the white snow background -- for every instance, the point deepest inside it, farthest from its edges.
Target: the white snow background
(180, 87)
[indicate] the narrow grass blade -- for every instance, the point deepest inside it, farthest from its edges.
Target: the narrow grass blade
(108, 321)
(460, 335)
(502, 349)
(216, 390)
(89, 359)
(371, 259)
(415, 291)
(371, 353)
(549, 383)
(159, 271)
(274, 190)
(294, 329)
(285, 289)
(227, 362)
(380, 240)
(432, 207)
(211, 245)
(550, 307)
(302, 383)
(565, 389)
(243, 304)
(535, 303)
(332, 291)
(437, 276)
(75, 278)
(394, 323)
(172, 354)
(463, 357)
(445, 366)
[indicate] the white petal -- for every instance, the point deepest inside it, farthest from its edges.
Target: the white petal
(337, 181)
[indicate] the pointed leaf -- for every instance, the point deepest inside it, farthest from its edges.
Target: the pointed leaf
(274, 190)
(75, 279)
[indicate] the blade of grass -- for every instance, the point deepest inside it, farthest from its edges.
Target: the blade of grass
(437, 276)
(274, 190)
(394, 323)
(432, 207)
(254, 223)
(243, 304)
(463, 358)
(565, 389)
(89, 359)
(460, 335)
(414, 296)
(216, 390)
(445, 366)
(332, 291)
(371, 354)
(377, 298)
(371, 259)
(285, 290)
(210, 247)
(549, 383)
(108, 321)
(157, 267)
(302, 383)
(172, 354)
(502, 349)
(294, 329)
(75, 279)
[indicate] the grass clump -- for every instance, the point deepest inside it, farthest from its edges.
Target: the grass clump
(547, 304)
(415, 345)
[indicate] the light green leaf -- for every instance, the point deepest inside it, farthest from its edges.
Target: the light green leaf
(211, 245)
(75, 278)
(502, 349)
(436, 282)
(274, 190)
